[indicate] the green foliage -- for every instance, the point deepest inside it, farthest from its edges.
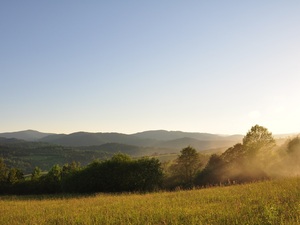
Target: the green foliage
(51, 182)
(213, 173)
(120, 157)
(15, 175)
(187, 165)
(118, 174)
(9, 176)
(28, 155)
(181, 172)
(258, 139)
(69, 169)
(36, 174)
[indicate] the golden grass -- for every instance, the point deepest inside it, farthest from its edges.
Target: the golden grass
(269, 202)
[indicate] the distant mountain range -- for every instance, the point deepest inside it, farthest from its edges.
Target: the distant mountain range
(155, 138)
(26, 135)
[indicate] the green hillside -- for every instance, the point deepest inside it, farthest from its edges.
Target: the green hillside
(27, 155)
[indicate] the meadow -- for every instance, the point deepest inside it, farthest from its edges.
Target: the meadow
(267, 202)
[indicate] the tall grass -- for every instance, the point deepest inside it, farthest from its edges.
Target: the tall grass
(269, 202)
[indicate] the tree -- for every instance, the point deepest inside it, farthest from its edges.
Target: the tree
(187, 165)
(258, 139)
(214, 172)
(292, 160)
(118, 174)
(242, 162)
(52, 181)
(15, 175)
(294, 146)
(68, 169)
(55, 173)
(120, 157)
(36, 174)
(3, 171)
(147, 174)
(233, 153)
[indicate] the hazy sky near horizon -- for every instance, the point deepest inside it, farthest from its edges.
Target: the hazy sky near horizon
(129, 66)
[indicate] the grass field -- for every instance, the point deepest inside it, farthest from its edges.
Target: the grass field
(269, 202)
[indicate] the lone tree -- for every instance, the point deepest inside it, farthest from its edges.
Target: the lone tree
(188, 164)
(257, 140)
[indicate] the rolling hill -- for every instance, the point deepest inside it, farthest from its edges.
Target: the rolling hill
(26, 135)
(156, 138)
(164, 135)
(88, 139)
(26, 155)
(26, 149)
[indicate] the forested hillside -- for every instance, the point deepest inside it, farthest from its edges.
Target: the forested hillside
(27, 149)
(257, 157)
(27, 155)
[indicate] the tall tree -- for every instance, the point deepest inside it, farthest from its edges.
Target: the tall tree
(187, 165)
(258, 139)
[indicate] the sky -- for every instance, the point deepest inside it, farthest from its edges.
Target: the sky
(129, 66)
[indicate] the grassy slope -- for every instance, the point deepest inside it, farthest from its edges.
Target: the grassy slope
(270, 202)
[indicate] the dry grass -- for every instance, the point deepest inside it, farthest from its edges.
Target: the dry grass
(270, 202)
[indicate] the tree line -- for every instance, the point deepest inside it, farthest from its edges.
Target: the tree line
(256, 158)
(118, 174)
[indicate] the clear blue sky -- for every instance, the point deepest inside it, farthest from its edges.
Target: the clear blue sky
(129, 66)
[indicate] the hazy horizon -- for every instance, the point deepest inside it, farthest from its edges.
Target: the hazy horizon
(85, 131)
(212, 67)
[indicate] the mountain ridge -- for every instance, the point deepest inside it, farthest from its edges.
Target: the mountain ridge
(152, 138)
(27, 135)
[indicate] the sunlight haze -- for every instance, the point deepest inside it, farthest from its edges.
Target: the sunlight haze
(129, 66)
